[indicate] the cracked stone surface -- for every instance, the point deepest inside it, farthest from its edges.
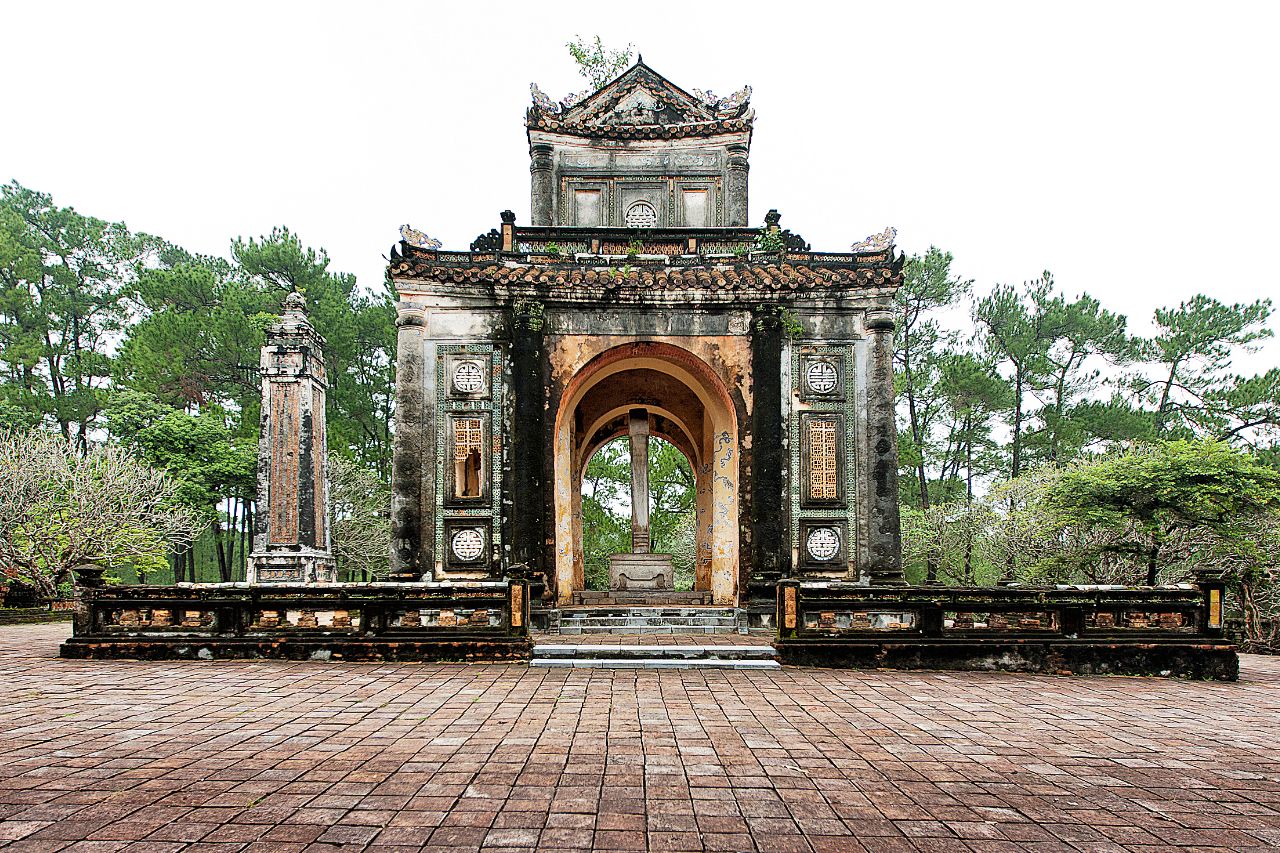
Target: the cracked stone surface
(280, 756)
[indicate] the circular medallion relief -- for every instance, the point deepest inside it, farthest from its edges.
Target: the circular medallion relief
(823, 543)
(468, 377)
(467, 545)
(641, 215)
(821, 377)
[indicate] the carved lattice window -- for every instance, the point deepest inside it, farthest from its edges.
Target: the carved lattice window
(468, 455)
(641, 215)
(824, 466)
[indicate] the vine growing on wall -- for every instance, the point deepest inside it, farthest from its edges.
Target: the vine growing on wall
(792, 328)
(530, 314)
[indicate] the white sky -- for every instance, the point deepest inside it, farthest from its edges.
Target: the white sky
(1131, 148)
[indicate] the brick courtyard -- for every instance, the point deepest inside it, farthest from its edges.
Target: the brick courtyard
(279, 756)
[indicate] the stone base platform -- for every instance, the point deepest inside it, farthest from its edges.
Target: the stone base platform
(629, 572)
(1210, 661)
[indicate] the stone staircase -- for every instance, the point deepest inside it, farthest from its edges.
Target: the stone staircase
(617, 619)
(691, 656)
(641, 598)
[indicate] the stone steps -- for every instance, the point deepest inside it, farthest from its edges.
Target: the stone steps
(642, 598)
(648, 620)
(653, 657)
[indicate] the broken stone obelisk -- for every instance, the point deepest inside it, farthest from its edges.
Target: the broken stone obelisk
(291, 536)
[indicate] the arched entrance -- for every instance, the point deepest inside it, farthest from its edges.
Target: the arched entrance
(638, 390)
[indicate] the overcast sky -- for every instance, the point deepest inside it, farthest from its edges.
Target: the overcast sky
(1130, 148)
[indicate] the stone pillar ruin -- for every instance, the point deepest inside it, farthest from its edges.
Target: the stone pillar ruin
(291, 539)
(884, 567)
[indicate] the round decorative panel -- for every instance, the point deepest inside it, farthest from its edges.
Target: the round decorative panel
(821, 377)
(823, 543)
(641, 215)
(468, 377)
(467, 544)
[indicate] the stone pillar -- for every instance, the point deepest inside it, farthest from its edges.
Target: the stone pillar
(885, 536)
(529, 497)
(409, 531)
(542, 197)
(736, 189)
(639, 429)
(291, 540)
(770, 510)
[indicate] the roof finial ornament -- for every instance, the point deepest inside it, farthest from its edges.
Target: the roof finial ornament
(416, 238)
(876, 242)
(639, 58)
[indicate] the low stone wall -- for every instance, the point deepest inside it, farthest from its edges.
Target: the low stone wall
(1167, 631)
(483, 621)
(33, 615)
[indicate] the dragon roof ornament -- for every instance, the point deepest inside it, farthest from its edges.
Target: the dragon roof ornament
(414, 237)
(729, 107)
(543, 102)
(876, 242)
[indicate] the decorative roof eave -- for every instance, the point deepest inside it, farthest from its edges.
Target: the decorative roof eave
(489, 292)
(692, 130)
(757, 275)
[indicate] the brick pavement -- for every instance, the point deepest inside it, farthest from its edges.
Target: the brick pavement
(279, 756)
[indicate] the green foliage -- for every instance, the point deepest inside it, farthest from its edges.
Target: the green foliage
(63, 509)
(361, 530)
(634, 248)
(792, 328)
(1149, 495)
(64, 281)
(929, 287)
(596, 62)
(1189, 384)
(770, 241)
(1150, 513)
(553, 249)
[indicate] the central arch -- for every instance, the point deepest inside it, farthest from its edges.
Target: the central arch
(683, 402)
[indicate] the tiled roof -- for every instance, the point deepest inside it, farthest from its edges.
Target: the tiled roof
(800, 272)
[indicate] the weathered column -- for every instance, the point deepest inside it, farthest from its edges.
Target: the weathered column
(291, 539)
(770, 527)
(885, 536)
(528, 439)
(736, 187)
(542, 194)
(639, 429)
(408, 532)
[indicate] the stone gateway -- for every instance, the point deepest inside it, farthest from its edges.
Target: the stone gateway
(638, 303)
